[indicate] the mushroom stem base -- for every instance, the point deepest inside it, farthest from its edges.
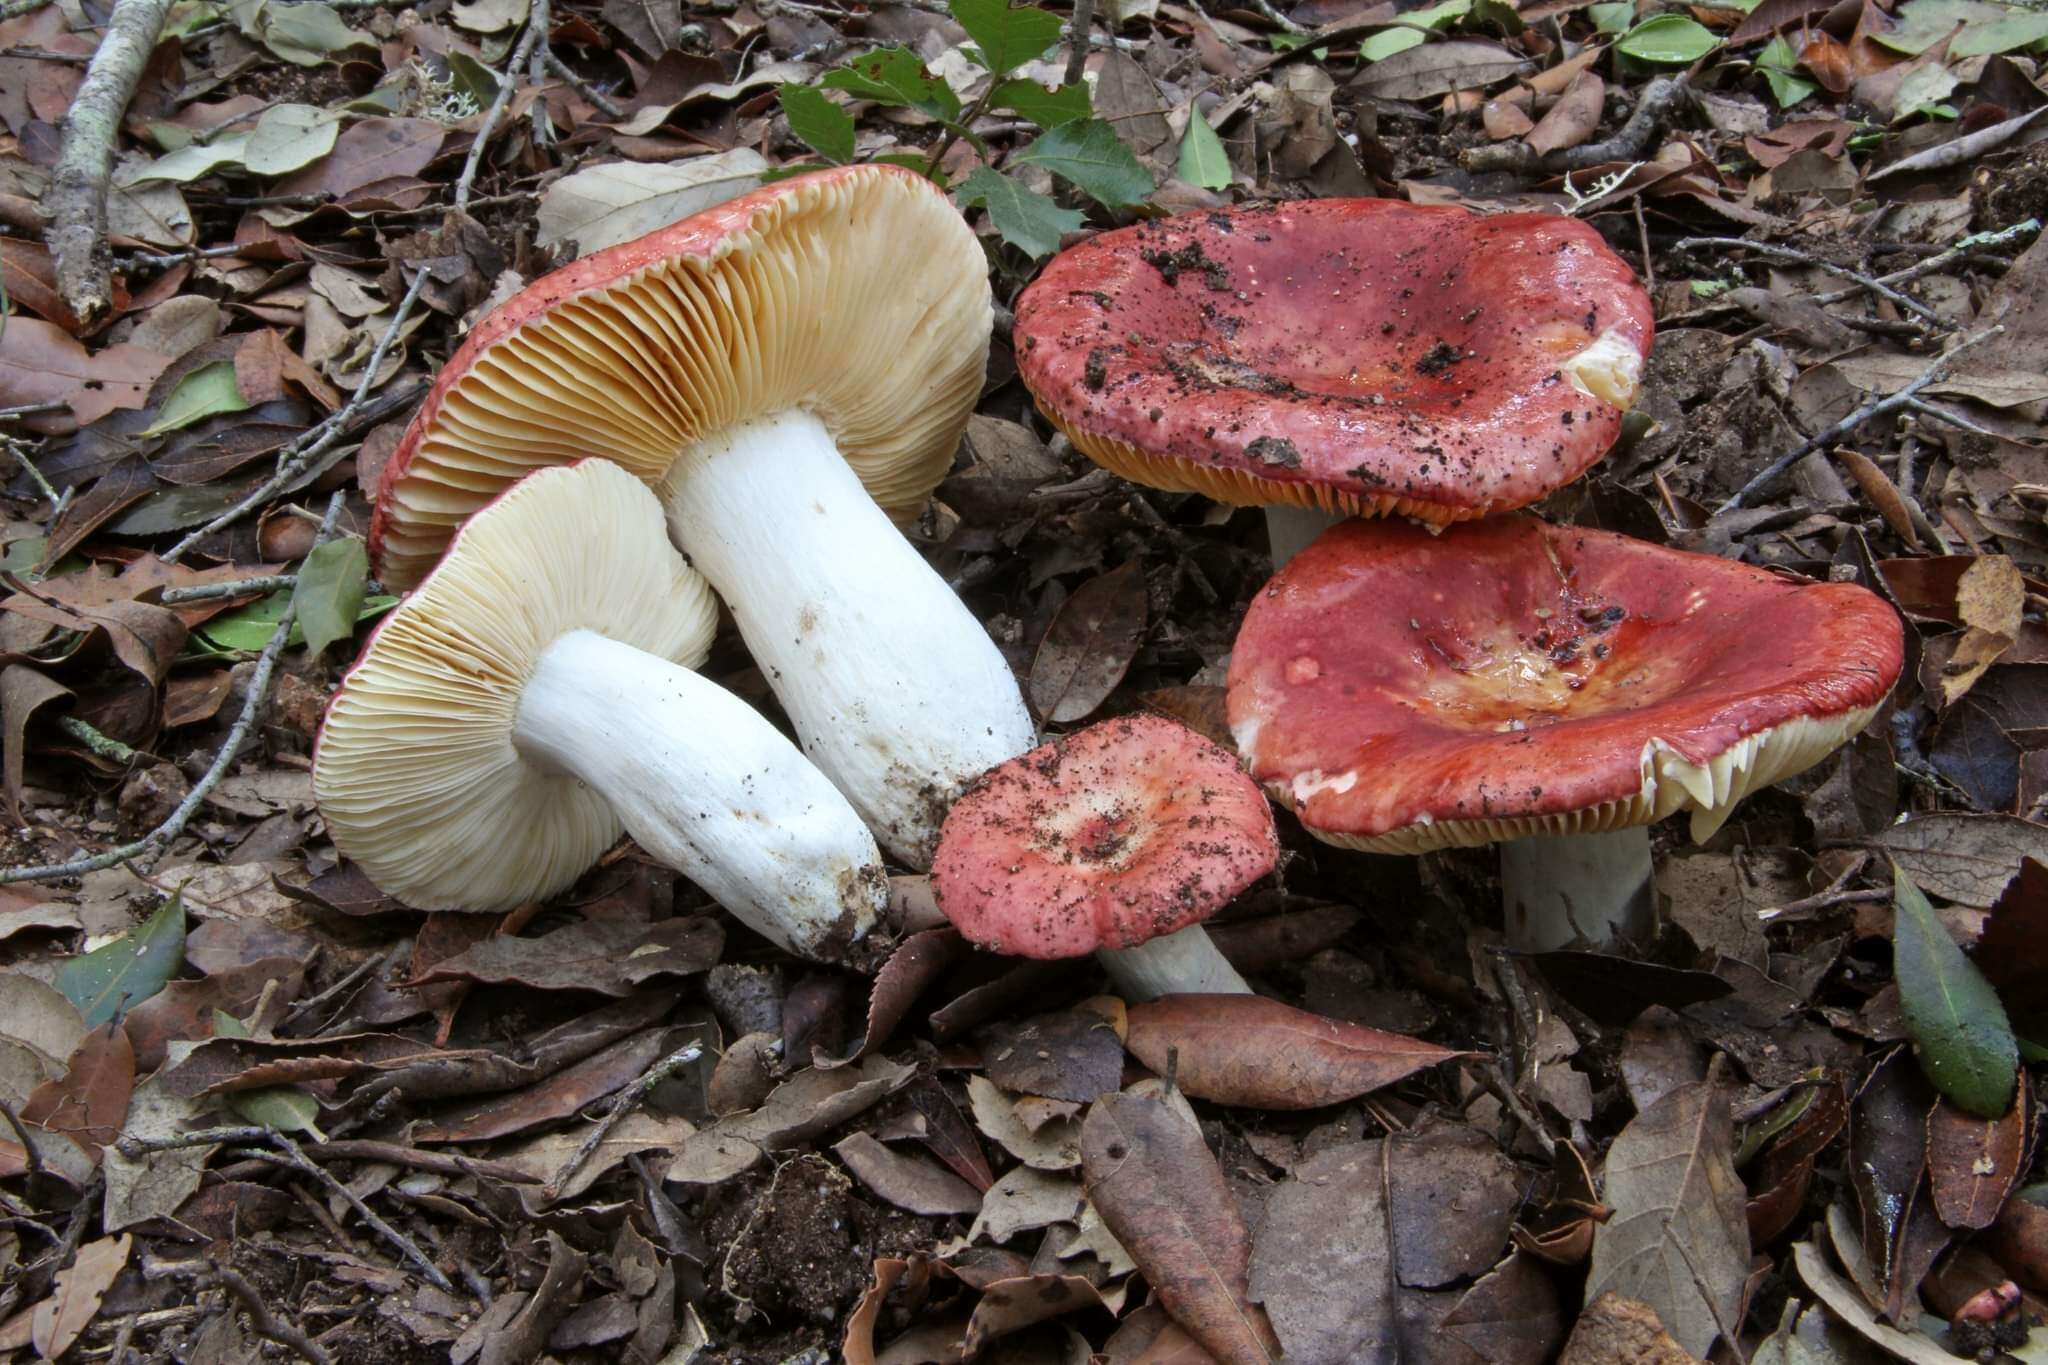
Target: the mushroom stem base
(704, 783)
(1182, 963)
(1289, 529)
(894, 688)
(1565, 890)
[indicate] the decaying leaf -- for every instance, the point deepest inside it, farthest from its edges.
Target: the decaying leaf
(63, 1317)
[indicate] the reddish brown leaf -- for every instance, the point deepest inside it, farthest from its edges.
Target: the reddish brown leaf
(23, 692)
(183, 1010)
(1829, 62)
(1158, 1189)
(27, 278)
(1248, 1050)
(1974, 1162)
(2019, 1239)
(1199, 707)
(88, 1104)
(611, 957)
(917, 962)
(1572, 119)
(557, 1097)
(909, 1182)
(42, 363)
(225, 1064)
(1089, 645)
(372, 150)
(2013, 952)
(63, 1317)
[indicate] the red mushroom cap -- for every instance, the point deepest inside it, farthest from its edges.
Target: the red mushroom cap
(1404, 691)
(1364, 356)
(1111, 836)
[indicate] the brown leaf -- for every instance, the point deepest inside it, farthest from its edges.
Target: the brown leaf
(1089, 645)
(908, 1182)
(1158, 1189)
(42, 363)
(2013, 951)
(183, 1010)
(1506, 116)
(1248, 1050)
(1968, 859)
(1437, 69)
(1323, 1262)
(611, 957)
(557, 1097)
(1511, 1316)
(1574, 118)
(1678, 1238)
(2019, 1239)
(127, 482)
(1829, 62)
(1012, 1304)
(23, 692)
(523, 1338)
(374, 149)
(1784, 1170)
(1453, 1193)
(1991, 599)
(29, 280)
(1882, 492)
(917, 962)
(221, 1065)
(1888, 1166)
(1615, 1327)
(91, 1100)
(1260, 944)
(1974, 1162)
(807, 1104)
(1200, 707)
(1072, 1055)
(63, 1317)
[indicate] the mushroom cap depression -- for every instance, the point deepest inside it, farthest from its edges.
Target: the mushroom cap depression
(1404, 692)
(858, 294)
(1362, 356)
(1111, 836)
(415, 769)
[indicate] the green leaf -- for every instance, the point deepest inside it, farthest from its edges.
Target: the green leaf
(1778, 61)
(1007, 36)
(247, 629)
(190, 161)
(1090, 155)
(1048, 107)
(283, 1107)
(206, 392)
(1669, 38)
(1202, 158)
(1959, 1030)
(1384, 44)
(1027, 219)
(113, 977)
(472, 78)
(1612, 17)
(824, 126)
(307, 34)
(289, 137)
(1500, 15)
(894, 75)
(329, 594)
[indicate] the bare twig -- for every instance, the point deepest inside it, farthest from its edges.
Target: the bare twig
(14, 9)
(31, 410)
(1629, 142)
(160, 837)
(624, 1103)
(77, 198)
(14, 448)
(604, 103)
(106, 746)
(1942, 260)
(241, 587)
(1077, 40)
(1798, 257)
(1878, 407)
(290, 1154)
(31, 1158)
(267, 1324)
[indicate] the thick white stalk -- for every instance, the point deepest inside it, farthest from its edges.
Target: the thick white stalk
(703, 782)
(1289, 529)
(1186, 962)
(1583, 890)
(895, 690)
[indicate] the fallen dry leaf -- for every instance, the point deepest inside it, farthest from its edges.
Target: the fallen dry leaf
(1974, 1162)
(63, 1317)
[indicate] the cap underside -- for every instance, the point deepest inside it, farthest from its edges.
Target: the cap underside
(1671, 784)
(860, 296)
(416, 773)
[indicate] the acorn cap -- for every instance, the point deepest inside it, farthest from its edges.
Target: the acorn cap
(1403, 691)
(1361, 356)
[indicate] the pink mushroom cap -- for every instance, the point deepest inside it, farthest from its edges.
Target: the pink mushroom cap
(1364, 356)
(1106, 838)
(1404, 691)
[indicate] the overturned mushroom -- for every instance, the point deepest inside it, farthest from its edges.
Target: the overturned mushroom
(1343, 357)
(1118, 840)
(790, 370)
(534, 697)
(1547, 688)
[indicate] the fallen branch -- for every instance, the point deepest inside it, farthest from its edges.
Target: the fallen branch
(241, 587)
(174, 825)
(76, 202)
(626, 1101)
(1941, 260)
(1878, 407)
(1629, 143)
(1798, 257)
(267, 1324)
(290, 1154)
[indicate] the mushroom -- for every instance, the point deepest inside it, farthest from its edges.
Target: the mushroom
(1340, 357)
(1118, 840)
(1550, 689)
(790, 370)
(534, 697)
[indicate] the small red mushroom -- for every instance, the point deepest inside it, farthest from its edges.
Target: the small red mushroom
(1119, 839)
(1404, 691)
(1352, 356)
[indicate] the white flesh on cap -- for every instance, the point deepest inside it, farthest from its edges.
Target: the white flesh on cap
(703, 782)
(895, 690)
(532, 698)
(1185, 962)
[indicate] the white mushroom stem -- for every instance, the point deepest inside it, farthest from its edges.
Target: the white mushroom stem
(1185, 962)
(895, 690)
(1577, 890)
(1289, 529)
(703, 782)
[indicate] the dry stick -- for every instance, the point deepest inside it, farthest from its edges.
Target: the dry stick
(267, 1324)
(627, 1100)
(1875, 408)
(604, 103)
(77, 198)
(14, 9)
(106, 746)
(1628, 143)
(1077, 41)
(1798, 257)
(1976, 242)
(292, 1156)
(31, 1158)
(241, 587)
(158, 838)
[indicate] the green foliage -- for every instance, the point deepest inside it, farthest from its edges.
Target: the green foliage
(1090, 156)
(1202, 158)
(1046, 106)
(1026, 219)
(329, 593)
(1669, 39)
(1959, 1029)
(824, 127)
(1778, 61)
(1007, 35)
(286, 1108)
(107, 981)
(206, 392)
(895, 76)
